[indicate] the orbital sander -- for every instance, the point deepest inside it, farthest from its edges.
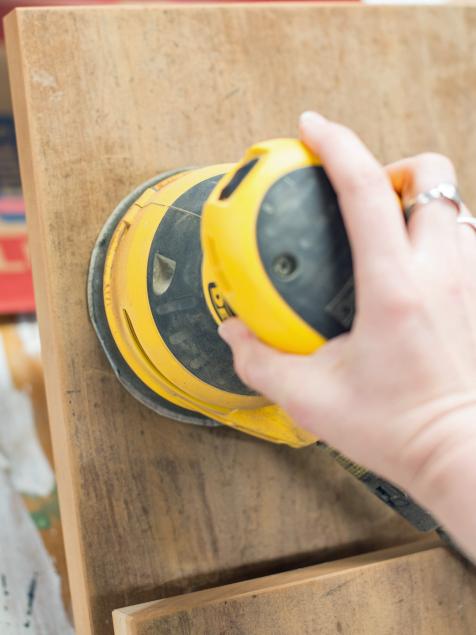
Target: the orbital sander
(262, 239)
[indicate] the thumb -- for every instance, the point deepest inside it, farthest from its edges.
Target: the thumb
(310, 129)
(259, 366)
(305, 386)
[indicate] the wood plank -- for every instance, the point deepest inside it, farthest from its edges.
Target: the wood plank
(106, 98)
(416, 589)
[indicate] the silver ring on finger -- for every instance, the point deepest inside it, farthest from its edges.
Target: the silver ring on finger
(467, 220)
(443, 192)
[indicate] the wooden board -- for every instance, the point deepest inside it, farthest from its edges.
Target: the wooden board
(412, 589)
(105, 99)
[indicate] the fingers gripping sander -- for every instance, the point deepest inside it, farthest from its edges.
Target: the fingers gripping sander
(262, 239)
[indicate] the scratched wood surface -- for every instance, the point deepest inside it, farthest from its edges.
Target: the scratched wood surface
(418, 589)
(105, 98)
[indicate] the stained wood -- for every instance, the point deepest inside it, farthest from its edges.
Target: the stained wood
(418, 589)
(105, 99)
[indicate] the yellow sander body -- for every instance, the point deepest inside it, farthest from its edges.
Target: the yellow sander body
(262, 239)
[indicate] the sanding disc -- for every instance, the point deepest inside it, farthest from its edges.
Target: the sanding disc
(98, 318)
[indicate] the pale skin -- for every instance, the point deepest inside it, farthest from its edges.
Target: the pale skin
(398, 392)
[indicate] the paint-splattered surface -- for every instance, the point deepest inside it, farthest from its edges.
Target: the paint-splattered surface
(30, 594)
(33, 581)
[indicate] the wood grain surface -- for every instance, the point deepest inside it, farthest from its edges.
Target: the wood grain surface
(105, 98)
(418, 589)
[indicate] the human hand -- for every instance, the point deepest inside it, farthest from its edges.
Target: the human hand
(398, 392)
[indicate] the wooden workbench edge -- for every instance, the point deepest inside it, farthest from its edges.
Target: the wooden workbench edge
(127, 619)
(51, 356)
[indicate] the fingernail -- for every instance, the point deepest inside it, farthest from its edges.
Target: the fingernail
(223, 332)
(311, 118)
